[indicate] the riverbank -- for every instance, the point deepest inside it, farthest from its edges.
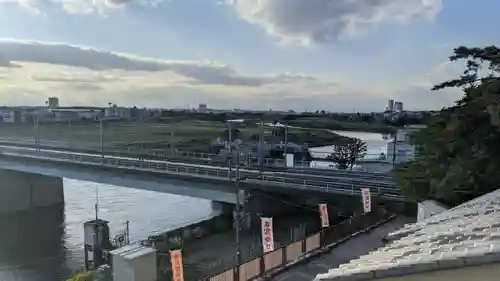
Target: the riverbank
(326, 123)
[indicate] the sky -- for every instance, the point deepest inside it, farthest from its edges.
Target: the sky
(335, 55)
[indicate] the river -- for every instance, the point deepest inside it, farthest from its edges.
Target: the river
(47, 245)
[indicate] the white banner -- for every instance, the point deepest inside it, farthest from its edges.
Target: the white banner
(323, 213)
(367, 200)
(267, 234)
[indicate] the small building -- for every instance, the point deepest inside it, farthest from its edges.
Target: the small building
(429, 208)
(134, 263)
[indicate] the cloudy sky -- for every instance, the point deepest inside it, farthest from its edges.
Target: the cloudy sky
(339, 55)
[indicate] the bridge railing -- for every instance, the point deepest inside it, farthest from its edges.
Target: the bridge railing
(117, 162)
(345, 186)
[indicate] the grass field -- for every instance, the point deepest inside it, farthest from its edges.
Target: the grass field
(190, 135)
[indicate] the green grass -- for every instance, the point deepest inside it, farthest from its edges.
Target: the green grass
(187, 135)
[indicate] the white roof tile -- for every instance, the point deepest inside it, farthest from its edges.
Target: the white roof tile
(466, 234)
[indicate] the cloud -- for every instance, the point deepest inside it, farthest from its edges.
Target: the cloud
(78, 7)
(97, 60)
(323, 21)
(86, 76)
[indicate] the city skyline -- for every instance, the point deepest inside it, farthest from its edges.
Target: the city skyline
(344, 56)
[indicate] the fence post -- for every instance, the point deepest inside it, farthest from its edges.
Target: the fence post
(284, 259)
(262, 265)
(303, 244)
(236, 273)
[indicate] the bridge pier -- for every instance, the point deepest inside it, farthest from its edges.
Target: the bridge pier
(257, 204)
(20, 191)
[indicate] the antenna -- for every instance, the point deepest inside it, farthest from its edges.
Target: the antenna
(96, 202)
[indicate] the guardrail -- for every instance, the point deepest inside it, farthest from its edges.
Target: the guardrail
(346, 186)
(277, 259)
(117, 162)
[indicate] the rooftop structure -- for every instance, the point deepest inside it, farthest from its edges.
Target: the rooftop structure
(462, 243)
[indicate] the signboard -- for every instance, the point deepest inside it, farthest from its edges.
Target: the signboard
(367, 201)
(177, 267)
(323, 213)
(267, 234)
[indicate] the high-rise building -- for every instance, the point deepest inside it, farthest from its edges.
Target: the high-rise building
(390, 106)
(53, 102)
(398, 106)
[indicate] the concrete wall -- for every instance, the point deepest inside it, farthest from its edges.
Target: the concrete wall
(20, 191)
(488, 272)
(176, 238)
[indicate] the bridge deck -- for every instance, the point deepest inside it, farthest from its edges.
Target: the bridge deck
(342, 183)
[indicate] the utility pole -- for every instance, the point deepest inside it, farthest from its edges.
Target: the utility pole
(230, 140)
(394, 149)
(101, 134)
(172, 148)
(141, 137)
(238, 210)
(70, 134)
(261, 145)
(37, 134)
(286, 142)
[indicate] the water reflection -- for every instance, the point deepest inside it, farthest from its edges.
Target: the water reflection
(376, 144)
(32, 245)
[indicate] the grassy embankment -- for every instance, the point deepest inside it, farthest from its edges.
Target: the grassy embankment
(189, 135)
(326, 123)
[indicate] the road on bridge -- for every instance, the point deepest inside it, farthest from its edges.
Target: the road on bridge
(331, 181)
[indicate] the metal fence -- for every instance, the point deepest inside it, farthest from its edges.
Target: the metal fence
(266, 263)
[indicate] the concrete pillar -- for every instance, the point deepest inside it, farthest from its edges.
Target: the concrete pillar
(230, 209)
(20, 191)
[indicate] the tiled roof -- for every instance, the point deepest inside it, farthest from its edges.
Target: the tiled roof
(468, 234)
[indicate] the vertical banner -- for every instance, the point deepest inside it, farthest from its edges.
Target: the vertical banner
(367, 201)
(267, 234)
(177, 267)
(323, 213)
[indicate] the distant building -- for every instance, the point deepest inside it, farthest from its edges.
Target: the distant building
(390, 106)
(53, 102)
(202, 107)
(398, 106)
(11, 116)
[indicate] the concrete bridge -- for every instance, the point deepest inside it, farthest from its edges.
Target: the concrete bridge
(33, 177)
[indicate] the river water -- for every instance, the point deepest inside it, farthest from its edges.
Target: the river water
(47, 245)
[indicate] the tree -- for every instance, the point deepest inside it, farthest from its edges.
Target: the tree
(346, 152)
(457, 152)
